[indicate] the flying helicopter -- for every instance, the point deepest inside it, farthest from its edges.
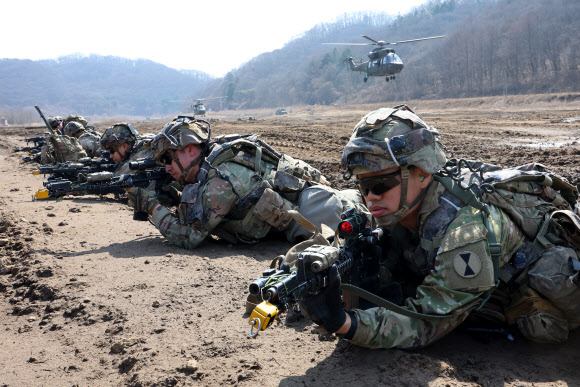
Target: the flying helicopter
(382, 60)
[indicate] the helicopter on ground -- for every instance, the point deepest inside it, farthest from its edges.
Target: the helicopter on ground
(198, 108)
(382, 60)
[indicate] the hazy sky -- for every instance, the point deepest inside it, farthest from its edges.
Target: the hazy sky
(208, 35)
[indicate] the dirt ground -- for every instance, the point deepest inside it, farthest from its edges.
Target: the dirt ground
(93, 298)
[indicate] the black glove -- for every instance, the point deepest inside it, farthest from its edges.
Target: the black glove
(324, 308)
(170, 196)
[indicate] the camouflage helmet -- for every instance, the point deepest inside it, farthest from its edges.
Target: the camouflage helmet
(178, 134)
(118, 134)
(388, 138)
(54, 121)
(73, 128)
(76, 118)
(393, 138)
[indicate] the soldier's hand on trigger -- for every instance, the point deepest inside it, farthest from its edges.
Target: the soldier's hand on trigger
(143, 199)
(325, 307)
(169, 196)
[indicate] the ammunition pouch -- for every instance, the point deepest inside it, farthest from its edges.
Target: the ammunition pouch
(273, 209)
(292, 176)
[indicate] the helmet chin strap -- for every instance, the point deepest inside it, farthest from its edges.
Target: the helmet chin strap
(185, 171)
(404, 206)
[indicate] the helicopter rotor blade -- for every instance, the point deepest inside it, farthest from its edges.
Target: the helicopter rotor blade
(416, 40)
(372, 40)
(352, 44)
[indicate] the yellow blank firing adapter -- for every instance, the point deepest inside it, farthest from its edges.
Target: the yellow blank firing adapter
(262, 317)
(41, 194)
(36, 172)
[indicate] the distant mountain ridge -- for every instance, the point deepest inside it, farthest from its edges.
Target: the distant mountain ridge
(97, 85)
(492, 47)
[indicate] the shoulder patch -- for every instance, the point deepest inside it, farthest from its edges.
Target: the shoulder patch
(464, 262)
(467, 264)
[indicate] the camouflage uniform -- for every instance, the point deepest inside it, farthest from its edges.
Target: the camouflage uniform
(454, 276)
(88, 138)
(124, 133)
(243, 192)
(450, 265)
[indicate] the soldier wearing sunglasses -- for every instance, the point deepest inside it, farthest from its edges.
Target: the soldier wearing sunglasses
(237, 188)
(441, 258)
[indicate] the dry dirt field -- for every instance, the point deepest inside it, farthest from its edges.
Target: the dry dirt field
(93, 298)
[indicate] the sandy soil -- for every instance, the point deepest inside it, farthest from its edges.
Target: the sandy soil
(93, 298)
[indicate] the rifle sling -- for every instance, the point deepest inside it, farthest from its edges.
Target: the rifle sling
(381, 302)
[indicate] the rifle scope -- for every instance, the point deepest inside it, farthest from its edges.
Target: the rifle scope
(142, 165)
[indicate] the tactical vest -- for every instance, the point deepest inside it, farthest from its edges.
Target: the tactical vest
(281, 179)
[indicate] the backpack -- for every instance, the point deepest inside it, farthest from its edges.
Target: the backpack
(543, 204)
(66, 148)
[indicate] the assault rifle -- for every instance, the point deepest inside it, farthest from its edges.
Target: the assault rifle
(71, 170)
(103, 183)
(38, 141)
(357, 261)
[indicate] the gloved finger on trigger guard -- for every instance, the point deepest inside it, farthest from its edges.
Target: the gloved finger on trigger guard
(171, 192)
(166, 200)
(170, 189)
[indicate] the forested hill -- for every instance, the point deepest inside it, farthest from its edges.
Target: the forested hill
(493, 47)
(96, 85)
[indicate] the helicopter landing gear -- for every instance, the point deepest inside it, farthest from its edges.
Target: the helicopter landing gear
(387, 79)
(390, 77)
(366, 78)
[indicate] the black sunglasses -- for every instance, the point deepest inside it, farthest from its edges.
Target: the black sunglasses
(166, 158)
(378, 184)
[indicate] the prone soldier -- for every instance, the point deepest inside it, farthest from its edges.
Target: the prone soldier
(124, 145)
(451, 251)
(88, 138)
(237, 188)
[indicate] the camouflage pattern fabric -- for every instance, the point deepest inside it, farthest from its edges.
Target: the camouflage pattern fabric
(459, 270)
(66, 148)
(90, 141)
(138, 152)
(75, 118)
(221, 209)
(216, 212)
(395, 132)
